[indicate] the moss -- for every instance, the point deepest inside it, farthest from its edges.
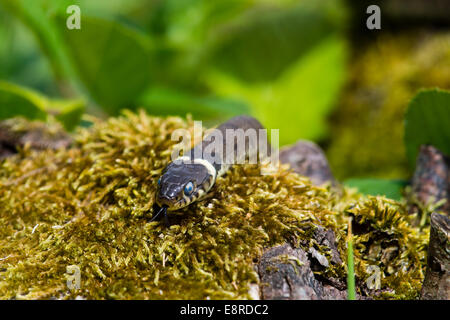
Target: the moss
(385, 238)
(89, 206)
(367, 128)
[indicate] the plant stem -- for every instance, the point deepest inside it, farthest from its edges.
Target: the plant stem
(350, 273)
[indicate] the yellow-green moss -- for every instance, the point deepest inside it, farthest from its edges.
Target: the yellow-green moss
(90, 205)
(385, 238)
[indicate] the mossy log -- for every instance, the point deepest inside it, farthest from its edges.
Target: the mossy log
(286, 274)
(88, 207)
(18, 133)
(436, 285)
(431, 181)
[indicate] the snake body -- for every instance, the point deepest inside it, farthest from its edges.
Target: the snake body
(189, 178)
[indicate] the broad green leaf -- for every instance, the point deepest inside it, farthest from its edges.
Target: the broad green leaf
(68, 112)
(261, 44)
(390, 188)
(298, 101)
(34, 15)
(19, 101)
(252, 40)
(427, 121)
(163, 101)
(21, 59)
(113, 60)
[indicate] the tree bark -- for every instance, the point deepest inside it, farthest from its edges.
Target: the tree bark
(37, 135)
(436, 285)
(431, 180)
(285, 274)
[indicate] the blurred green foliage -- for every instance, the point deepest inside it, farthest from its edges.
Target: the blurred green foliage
(427, 121)
(294, 102)
(378, 187)
(112, 60)
(282, 61)
(20, 101)
(367, 128)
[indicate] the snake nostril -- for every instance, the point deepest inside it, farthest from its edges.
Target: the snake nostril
(168, 196)
(173, 195)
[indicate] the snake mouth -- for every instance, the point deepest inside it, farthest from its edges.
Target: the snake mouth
(178, 204)
(161, 210)
(171, 204)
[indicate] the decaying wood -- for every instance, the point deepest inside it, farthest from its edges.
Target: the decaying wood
(431, 180)
(285, 274)
(417, 10)
(37, 135)
(308, 159)
(430, 185)
(436, 285)
(288, 273)
(327, 238)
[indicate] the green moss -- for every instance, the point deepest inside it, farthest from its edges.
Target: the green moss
(385, 238)
(90, 205)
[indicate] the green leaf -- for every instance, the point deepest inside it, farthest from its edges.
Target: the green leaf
(164, 101)
(351, 293)
(68, 112)
(33, 15)
(287, 61)
(113, 60)
(262, 43)
(378, 187)
(298, 101)
(19, 101)
(427, 121)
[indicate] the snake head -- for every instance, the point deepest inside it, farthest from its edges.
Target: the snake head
(183, 182)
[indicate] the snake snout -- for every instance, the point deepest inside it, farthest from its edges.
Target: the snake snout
(167, 198)
(170, 195)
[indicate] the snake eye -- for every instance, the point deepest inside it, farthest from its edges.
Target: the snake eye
(188, 188)
(159, 181)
